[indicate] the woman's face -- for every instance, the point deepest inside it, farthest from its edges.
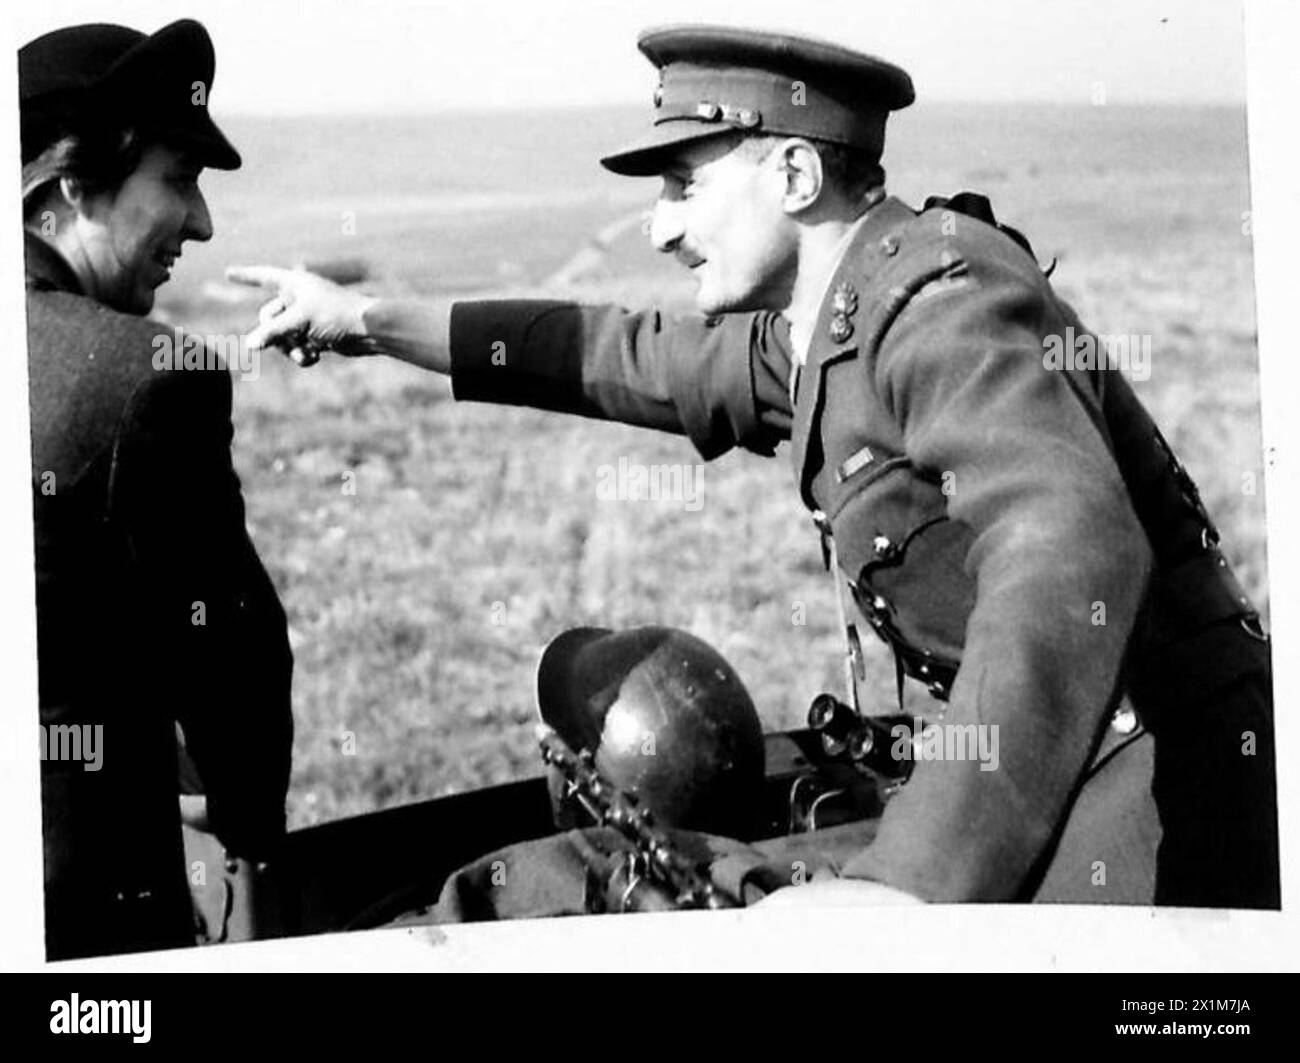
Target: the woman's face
(130, 238)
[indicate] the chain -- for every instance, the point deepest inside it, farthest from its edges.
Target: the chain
(657, 858)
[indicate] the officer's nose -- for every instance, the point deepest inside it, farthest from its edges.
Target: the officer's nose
(666, 226)
(198, 222)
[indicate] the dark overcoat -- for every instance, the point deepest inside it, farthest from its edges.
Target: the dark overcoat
(153, 610)
(1019, 533)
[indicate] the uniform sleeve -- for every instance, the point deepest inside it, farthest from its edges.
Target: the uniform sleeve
(1060, 563)
(720, 381)
(220, 641)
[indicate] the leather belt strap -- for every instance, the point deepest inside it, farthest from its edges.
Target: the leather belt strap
(1197, 593)
(853, 666)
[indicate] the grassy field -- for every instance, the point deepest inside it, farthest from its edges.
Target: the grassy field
(419, 604)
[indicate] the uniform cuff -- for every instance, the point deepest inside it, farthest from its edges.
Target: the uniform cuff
(488, 343)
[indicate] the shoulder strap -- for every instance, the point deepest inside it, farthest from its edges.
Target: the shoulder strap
(974, 205)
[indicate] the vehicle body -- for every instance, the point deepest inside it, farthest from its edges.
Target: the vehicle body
(364, 871)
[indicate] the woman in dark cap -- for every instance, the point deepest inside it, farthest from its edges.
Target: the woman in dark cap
(153, 608)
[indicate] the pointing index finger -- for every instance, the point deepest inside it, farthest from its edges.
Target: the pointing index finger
(257, 276)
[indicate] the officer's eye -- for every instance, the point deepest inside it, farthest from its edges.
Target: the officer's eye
(678, 186)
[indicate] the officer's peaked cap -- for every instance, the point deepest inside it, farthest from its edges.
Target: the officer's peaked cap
(717, 79)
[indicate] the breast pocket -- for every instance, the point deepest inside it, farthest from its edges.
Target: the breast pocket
(906, 556)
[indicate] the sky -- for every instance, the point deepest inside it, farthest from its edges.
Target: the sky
(333, 56)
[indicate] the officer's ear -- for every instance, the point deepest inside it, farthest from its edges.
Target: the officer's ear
(804, 178)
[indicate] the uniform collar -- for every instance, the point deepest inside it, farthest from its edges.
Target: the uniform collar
(856, 286)
(804, 320)
(47, 270)
(872, 244)
(874, 227)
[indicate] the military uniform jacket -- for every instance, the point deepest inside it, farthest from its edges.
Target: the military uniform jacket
(1021, 536)
(138, 519)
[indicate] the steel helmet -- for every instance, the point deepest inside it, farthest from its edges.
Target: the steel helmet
(667, 720)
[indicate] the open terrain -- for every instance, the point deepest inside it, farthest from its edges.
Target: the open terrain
(420, 603)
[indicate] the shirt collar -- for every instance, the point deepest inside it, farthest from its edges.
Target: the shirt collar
(47, 270)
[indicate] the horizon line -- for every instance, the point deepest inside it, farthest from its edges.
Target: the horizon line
(434, 109)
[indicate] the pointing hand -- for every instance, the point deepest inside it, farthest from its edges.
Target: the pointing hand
(306, 314)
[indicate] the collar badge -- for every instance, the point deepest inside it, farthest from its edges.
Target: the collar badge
(844, 304)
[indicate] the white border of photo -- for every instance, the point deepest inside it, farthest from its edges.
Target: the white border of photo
(951, 938)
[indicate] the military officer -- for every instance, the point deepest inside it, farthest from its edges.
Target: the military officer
(153, 608)
(1016, 531)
